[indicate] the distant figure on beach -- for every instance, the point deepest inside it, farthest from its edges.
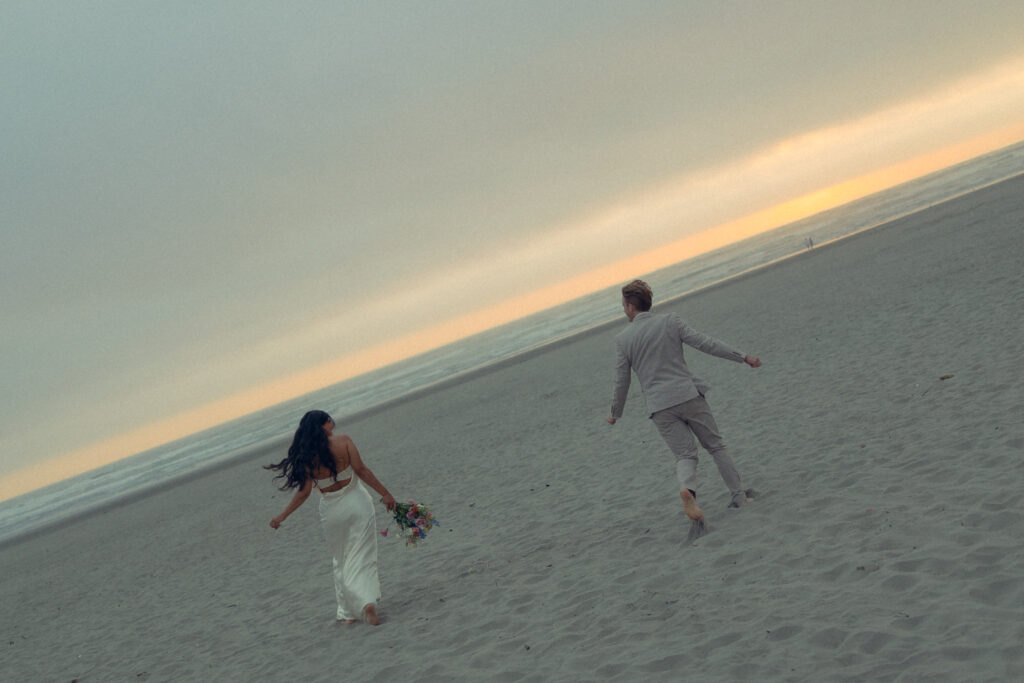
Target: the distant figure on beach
(331, 462)
(652, 348)
(809, 243)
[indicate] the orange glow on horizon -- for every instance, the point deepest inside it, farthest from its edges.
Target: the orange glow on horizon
(417, 342)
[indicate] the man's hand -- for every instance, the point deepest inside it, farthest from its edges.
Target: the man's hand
(752, 361)
(610, 420)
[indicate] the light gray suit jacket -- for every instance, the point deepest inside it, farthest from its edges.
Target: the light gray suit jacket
(652, 348)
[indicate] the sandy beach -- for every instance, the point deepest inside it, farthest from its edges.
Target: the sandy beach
(883, 434)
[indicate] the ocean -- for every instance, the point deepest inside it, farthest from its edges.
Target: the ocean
(133, 476)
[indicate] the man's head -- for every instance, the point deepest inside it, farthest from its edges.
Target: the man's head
(636, 298)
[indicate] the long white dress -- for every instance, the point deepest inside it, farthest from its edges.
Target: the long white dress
(350, 529)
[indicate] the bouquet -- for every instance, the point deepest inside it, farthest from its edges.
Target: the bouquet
(414, 521)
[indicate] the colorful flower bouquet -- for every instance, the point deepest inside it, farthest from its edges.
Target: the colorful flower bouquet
(413, 520)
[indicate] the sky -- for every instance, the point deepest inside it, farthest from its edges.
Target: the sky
(209, 208)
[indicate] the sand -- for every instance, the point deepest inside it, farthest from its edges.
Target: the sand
(883, 433)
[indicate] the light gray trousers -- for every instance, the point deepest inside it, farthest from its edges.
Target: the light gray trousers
(678, 426)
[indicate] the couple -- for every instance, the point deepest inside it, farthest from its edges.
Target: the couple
(651, 347)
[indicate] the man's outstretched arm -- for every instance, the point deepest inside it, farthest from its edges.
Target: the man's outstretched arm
(710, 345)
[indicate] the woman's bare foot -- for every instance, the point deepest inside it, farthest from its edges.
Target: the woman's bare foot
(690, 506)
(370, 613)
(347, 621)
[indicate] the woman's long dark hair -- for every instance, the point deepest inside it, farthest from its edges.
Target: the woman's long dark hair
(308, 451)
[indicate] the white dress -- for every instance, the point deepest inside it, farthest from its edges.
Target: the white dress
(350, 529)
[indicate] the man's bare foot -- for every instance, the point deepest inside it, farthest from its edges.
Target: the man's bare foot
(370, 612)
(690, 506)
(347, 621)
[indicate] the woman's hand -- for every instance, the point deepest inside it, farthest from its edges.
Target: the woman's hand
(297, 500)
(389, 501)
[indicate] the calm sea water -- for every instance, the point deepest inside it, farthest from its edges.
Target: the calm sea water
(72, 497)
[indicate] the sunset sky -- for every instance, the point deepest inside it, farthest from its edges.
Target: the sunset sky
(208, 208)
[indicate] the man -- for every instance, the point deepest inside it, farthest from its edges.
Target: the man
(652, 348)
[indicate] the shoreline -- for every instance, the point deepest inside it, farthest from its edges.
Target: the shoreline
(603, 327)
(128, 498)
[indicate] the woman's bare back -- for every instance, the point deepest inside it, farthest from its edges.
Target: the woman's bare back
(339, 450)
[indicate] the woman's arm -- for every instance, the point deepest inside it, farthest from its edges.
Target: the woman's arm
(298, 499)
(362, 471)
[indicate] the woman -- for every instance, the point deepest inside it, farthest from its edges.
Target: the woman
(330, 462)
